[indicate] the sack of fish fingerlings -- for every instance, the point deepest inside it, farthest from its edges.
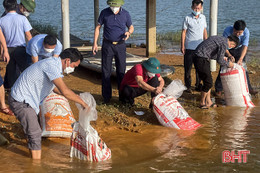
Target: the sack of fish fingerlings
(56, 116)
(85, 142)
(169, 111)
(235, 86)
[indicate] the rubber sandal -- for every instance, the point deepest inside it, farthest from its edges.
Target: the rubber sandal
(203, 107)
(214, 105)
(7, 111)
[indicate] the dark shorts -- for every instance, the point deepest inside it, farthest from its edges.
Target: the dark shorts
(202, 66)
(29, 121)
(1, 81)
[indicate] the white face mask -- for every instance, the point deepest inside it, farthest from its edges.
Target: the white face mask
(150, 74)
(48, 50)
(69, 70)
(26, 13)
(115, 9)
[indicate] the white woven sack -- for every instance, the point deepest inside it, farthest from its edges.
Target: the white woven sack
(87, 145)
(170, 113)
(56, 116)
(235, 86)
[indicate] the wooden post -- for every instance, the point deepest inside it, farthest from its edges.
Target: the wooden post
(65, 24)
(96, 14)
(150, 28)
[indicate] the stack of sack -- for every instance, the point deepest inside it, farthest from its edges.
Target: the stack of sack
(169, 111)
(235, 86)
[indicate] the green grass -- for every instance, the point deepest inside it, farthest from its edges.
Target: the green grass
(170, 36)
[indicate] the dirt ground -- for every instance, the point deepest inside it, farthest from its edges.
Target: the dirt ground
(116, 115)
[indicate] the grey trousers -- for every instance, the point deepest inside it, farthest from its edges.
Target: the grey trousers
(29, 121)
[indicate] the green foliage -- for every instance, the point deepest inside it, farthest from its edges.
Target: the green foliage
(170, 36)
(44, 28)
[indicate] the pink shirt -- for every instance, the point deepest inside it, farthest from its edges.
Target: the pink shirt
(129, 78)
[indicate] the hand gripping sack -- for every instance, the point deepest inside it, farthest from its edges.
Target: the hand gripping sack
(170, 113)
(235, 86)
(56, 116)
(85, 142)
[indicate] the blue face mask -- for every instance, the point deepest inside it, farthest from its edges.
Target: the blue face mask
(195, 13)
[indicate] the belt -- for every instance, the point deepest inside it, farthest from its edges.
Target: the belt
(114, 42)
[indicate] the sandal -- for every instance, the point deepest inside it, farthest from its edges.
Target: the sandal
(203, 107)
(214, 105)
(7, 111)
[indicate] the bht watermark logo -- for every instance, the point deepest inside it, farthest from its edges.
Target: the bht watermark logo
(241, 156)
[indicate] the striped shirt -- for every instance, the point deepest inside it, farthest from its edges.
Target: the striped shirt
(213, 48)
(35, 83)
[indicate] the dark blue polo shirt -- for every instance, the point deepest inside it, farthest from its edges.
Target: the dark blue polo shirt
(114, 25)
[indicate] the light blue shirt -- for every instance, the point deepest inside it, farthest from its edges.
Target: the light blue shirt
(194, 30)
(36, 82)
(14, 26)
(243, 39)
(35, 47)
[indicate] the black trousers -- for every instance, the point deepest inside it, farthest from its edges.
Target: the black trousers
(17, 64)
(109, 51)
(128, 94)
(236, 53)
(188, 61)
(202, 66)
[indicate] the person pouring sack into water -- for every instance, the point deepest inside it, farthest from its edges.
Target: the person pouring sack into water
(237, 54)
(24, 8)
(34, 85)
(115, 20)
(140, 79)
(43, 46)
(213, 48)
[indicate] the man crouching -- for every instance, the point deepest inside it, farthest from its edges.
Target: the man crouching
(140, 79)
(36, 83)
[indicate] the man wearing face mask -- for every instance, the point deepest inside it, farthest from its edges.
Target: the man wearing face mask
(43, 46)
(115, 20)
(36, 83)
(140, 79)
(24, 8)
(193, 33)
(237, 54)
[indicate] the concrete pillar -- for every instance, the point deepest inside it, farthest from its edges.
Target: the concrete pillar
(150, 28)
(65, 23)
(96, 14)
(213, 17)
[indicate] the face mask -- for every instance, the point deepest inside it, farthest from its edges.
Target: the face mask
(48, 50)
(26, 13)
(150, 74)
(68, 70)
(195, 13)
(115, 9)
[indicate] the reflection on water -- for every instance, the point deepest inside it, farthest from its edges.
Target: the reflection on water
(156, 148)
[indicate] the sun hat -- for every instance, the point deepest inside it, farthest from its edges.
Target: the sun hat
(152, 65)
(29, 5)
(115, 3)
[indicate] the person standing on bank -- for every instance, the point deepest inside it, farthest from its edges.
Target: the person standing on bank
(237, 54)
(34, 85)
(213, 48)
(193, 33)
(115, 20)
(140, 79)
(43, 46)
(24, 8)
(16, 29)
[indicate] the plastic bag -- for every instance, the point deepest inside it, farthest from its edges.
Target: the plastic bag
(85, 142)
(175, 89)
(91, 115)
(56, 116)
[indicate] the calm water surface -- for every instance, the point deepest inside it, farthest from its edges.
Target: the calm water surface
(157, 149)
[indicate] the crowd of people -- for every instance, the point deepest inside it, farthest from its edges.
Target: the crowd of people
(35, 65)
